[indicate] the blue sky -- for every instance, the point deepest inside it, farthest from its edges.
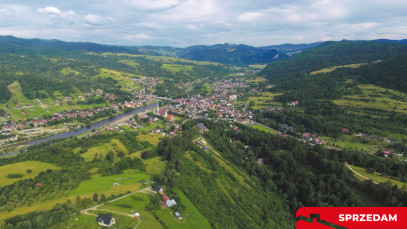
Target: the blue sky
(183, 23)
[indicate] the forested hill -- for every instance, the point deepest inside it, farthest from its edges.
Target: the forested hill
(331, 54)
(233, 54)
(10, 44)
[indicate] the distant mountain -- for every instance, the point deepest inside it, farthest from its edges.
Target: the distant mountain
(291, 49)
(11, 44)
(392, 41)
(329, 54)
(233, 54)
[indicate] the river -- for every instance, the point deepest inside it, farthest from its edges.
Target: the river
(82, 130)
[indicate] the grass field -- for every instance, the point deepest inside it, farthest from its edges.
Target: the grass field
(105, 184)
(138, 203)
(152, 138)
(376, 177)
(21, 168)
(151, 126)
(114, 146)
(331, 69)
(258, 66)
(124, 79)
(263, 129)
(354, 143)
(262, 99)
(154, 165)
(79, 222)
(376, 98)
(191, 217)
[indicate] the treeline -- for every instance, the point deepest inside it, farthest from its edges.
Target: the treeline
(326, 118)
(239, 204)
(51, 184)
(331, 54)
(305, 176)
(42, 219)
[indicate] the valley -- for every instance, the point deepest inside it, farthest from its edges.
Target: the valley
(224, 142)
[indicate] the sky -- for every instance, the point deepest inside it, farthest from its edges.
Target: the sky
(182, 23)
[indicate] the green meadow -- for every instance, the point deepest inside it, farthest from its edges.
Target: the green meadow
(374, 97)
(128, 181)
(376, 177)
(21, 168)
(263, 129)
(114, 146)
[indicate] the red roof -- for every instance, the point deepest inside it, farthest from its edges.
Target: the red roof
(169, 117)
(38, 184)
(165, 199)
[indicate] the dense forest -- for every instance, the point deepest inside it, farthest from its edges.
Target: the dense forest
(299, 174)
(317, 111)
(331, 54)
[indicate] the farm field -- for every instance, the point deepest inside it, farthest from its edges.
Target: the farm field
(374, 97)
(21, 168)
(376, 177)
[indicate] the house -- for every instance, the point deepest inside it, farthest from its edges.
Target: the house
(38, 184)
(169, 117)
(157, 189)
(202, 128)
(105, 220)
(260, 161)
(163, 112)
(165, 199)
(178, 215)
(171, 203)
(345, 130)
(293, 103)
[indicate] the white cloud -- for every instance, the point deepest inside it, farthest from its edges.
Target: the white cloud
(152, 4)
(138, 36)
(249, 16)
(69, 13)
(191, 11)
(148, 25)
(93, 19)
(5, 12)
(49, 10)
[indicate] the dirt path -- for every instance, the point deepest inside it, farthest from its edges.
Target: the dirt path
(96, 207)
(351, 169)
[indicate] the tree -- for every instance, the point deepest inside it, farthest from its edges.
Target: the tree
(95, 197)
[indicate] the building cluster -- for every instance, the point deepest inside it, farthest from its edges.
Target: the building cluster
(221, 101)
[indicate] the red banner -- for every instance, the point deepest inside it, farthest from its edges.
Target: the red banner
(352, 217)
